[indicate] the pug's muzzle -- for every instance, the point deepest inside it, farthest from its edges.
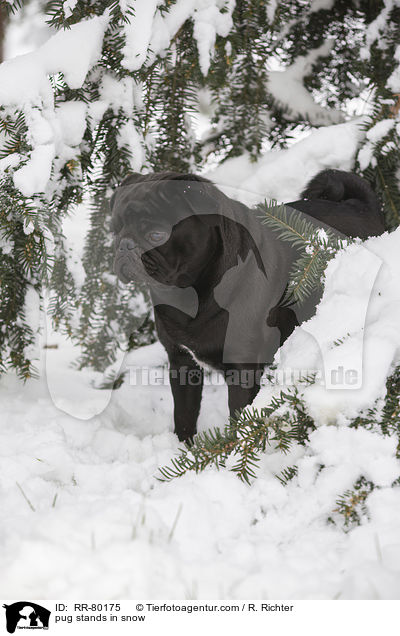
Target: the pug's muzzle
(128, 264)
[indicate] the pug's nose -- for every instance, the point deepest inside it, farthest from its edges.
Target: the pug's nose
(126, 244)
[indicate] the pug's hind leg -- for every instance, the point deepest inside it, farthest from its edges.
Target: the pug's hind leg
(186, 379)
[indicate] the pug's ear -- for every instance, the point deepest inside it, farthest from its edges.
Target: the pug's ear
(135, 177)
(115, 225)
(203, 199)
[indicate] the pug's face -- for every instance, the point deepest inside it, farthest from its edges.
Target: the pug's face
(161, 235)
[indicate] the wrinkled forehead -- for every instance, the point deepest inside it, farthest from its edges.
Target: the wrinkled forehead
(169, 200)
(129, 207)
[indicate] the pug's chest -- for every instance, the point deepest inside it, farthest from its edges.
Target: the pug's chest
(202, 338)
(204, 346)
(206, 362)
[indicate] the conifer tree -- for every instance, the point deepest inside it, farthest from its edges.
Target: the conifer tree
(269, 69)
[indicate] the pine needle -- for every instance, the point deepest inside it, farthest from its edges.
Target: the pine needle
(31, 506)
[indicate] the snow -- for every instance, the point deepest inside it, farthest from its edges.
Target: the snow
(71, 117)
(352, 342)
(87, 460)
(6, 246)
(282, 174)
(125, 94)
(209, 22)
(377, 27)
(317, 5)
(118, 94)
(72, 52)
(380, 130)
(114, 531)
(34, 176)
(394, 80)
(287, 83)
(69, 6)
(109, 532)
(138, 34)
(130, 137)
(271, 10)
(359, 451)
(12, 161)
(210, 18)
(56, 133)
(366, 155)
(25, 80)
(83, 514)
(26, 30)
(366, 306)
(75, 51)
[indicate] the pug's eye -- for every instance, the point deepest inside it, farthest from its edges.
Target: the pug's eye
(156, 237)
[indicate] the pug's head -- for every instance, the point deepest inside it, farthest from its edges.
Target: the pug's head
(166, 228)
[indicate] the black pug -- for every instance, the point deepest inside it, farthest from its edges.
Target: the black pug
(218, 276)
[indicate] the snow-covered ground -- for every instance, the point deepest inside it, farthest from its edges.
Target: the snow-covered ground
(83, 514)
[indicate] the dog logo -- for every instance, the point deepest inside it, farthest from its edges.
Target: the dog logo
(26, 615)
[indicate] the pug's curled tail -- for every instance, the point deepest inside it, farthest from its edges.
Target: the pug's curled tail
(337, 185)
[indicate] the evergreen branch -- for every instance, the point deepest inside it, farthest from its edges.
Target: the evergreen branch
(245, 437)
(289, 227)
(394, 210)
(315, 246)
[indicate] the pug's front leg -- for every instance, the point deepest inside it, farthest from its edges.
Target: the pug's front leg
(186, 379)
(243, 385)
